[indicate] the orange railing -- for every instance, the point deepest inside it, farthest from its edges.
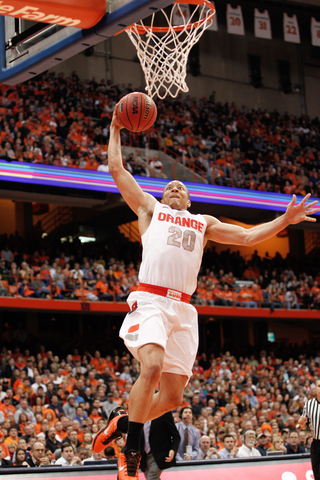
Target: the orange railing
(72, 289)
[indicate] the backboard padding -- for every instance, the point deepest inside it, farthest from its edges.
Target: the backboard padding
(25, 63)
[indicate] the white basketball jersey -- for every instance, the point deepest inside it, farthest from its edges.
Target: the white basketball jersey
(173, 249)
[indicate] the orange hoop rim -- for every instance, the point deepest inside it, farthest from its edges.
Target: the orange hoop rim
(178, 28)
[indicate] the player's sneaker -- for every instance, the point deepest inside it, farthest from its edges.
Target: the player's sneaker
(128, 465)
(110, 432)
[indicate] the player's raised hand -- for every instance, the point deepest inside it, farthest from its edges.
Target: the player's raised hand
(300, 213)
(115, 120)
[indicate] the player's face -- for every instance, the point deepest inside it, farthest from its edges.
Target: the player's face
(176, 196)
(318, 388)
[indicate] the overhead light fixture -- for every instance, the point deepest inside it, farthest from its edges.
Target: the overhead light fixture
(84, 239)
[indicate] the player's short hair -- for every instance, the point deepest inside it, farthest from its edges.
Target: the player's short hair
(179, 182)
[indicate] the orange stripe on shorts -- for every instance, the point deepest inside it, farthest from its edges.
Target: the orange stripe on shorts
(134, 328)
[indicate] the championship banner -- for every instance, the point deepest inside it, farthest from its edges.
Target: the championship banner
(315, 32)
(291, 28)
(235, 23)
(180, 16)
(262, 24)
(214, 25)
(69, 13)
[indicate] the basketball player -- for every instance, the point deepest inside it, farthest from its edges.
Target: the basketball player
(161, 329)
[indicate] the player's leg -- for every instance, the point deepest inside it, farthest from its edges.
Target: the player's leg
(142, 393)
(166, 399)
(141, 398)
(176, 365)
(169, 395)
(144, 405)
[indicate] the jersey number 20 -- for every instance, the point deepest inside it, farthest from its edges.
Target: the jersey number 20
(188, 238)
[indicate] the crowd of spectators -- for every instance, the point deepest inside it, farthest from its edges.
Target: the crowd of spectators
(225, 279)
(52, 407)
(65, 122)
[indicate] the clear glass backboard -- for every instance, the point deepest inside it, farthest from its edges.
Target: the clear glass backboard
(28, 48)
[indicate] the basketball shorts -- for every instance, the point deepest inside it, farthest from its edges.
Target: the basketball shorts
(169, 323)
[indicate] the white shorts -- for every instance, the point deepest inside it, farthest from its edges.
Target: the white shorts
(166, 322)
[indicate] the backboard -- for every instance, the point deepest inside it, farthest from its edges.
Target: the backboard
(28, 48)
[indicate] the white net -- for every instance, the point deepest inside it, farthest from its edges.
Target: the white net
(163, 51)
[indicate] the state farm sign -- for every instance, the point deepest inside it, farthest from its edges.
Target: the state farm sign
(70, 13)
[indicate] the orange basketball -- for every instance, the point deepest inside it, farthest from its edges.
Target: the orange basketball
(137, 112)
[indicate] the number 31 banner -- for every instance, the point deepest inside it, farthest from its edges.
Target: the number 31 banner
(235, 23)
(262, 24)
(291, 28)
(315, 32)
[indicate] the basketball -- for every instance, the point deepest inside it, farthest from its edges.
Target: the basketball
(137, 112)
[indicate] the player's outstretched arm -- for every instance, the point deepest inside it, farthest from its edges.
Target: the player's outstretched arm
(236, 235)
(132, 193)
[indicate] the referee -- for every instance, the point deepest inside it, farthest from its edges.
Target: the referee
(311, 411)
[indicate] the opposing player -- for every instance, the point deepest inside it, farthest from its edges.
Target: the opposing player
(161, 329)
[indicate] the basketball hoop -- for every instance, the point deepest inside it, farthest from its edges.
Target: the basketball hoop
(163, 50)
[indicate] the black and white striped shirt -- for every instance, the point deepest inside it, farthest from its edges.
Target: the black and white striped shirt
(311, 410)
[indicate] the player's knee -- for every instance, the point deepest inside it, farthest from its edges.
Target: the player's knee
(172, 399)
(175, 400)
(153, 371)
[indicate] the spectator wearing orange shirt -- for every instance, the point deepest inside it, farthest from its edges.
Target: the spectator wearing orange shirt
(5, 450)
(60, 431)
(116, 397)
(6, 407)
(200, 295)
(92, 378)
(92, 163)
(95, 413)
(102, 288)
(257, 294)
(216, 296)
(98, 362)
(251, 272)
(227, 296)
(118, 444)
(134, 287)
(25, 289)
(12, 437)
(260, 396)
(19, 363)
(245, 297)
(55, 291)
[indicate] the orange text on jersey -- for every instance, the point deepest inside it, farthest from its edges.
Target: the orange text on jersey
(183, 222)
